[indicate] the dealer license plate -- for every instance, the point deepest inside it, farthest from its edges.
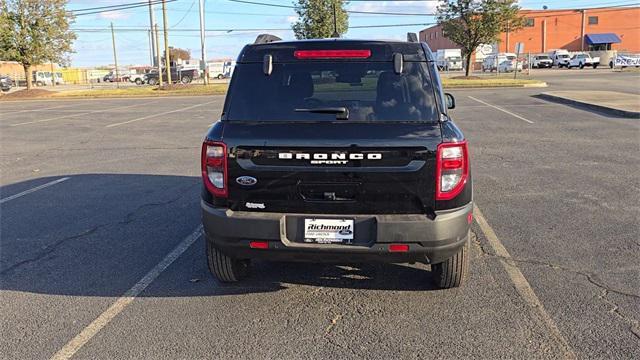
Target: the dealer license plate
(328, 231)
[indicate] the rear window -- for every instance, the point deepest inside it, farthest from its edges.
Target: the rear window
(370, 91)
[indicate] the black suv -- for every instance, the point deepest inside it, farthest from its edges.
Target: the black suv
(336, 151)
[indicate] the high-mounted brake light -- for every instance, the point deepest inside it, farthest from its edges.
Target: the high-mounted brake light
(214, 167)
(452, 169)
(331, 54)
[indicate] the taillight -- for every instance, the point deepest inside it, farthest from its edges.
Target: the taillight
(214, 167)
(452, 169)
(331, 54)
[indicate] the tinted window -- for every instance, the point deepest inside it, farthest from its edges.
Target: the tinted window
(371, 91)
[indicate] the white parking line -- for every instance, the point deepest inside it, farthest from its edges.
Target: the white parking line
(33, 110)
(117, 307)
(501, 109)
(160, 114)
(26, 192)
(79, 114)
(522, 285)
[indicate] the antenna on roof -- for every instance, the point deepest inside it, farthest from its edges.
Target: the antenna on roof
(266, 38)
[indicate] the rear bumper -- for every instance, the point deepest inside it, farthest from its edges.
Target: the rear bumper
(429, 240)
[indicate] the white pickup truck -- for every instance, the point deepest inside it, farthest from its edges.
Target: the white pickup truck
(582, 60)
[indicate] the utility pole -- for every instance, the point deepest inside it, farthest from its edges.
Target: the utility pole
(53, 76)
(203, 50)
(115, 57)
(335, 22)
(152, 22)
(158, 61)
(167, 60)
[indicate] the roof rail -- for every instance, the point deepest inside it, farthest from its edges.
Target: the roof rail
(412, 37)
(266, 38)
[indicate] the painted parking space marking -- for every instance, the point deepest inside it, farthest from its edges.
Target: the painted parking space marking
(79, 114)
(522, 286)
(159, 114)
(501, 109)
(72, 347)
(26, 192)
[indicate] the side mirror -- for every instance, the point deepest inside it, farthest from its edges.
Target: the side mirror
(451, 101)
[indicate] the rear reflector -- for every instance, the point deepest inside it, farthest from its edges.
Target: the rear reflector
(332, 54)
(470, 217)
(398, 248)
(259, 244)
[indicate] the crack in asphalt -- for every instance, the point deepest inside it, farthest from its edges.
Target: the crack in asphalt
(128, 218)
(634, 325)
(589, 276)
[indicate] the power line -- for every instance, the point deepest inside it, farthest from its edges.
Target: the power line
(121, 8)
(184, 16)
(142, 29)
(348, 11)
(114, 6)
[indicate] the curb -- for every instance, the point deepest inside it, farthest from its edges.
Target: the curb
(599, 108)
(471, 86)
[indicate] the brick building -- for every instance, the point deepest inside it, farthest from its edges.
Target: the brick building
(572, 29)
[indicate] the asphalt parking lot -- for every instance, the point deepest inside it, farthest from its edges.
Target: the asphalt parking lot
(101, 254)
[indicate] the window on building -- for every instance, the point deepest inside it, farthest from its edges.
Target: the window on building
(435, 35)
(593, 20)
(529, 22)
(443, 34)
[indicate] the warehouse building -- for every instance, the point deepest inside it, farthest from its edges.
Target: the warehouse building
(613, 28)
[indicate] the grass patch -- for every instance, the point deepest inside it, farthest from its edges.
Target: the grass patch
(478, 82)
(183, 90)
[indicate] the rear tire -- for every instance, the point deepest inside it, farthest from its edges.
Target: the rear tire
(581, 66)
(186, 79)
(138, 81)
(153, 82)
(452, 272)
(225, 268)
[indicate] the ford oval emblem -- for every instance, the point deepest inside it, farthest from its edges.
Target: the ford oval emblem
(345, 232)
(246, 180)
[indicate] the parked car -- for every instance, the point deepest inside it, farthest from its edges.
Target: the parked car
(42, 78)
(502, 62)
(449, 59)
(625, 60)
(310, 171)
(541, 61)
(6, 83)
(123, 76)
(583, 59)
(139, 79)
(177, 75)
(560, 58)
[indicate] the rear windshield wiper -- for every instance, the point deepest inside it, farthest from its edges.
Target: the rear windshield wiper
(342, 113)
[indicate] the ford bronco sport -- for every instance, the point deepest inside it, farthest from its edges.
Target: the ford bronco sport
(336, 150)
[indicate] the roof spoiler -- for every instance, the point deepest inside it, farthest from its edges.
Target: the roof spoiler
(412, 37)
(265, 39)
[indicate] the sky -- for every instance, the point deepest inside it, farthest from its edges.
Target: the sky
(93, 46)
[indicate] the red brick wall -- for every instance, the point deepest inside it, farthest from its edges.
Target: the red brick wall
(563, 30)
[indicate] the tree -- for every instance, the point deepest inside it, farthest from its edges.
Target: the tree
(35, 31)
(316, 19)
(471, 23)
(177, 53)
